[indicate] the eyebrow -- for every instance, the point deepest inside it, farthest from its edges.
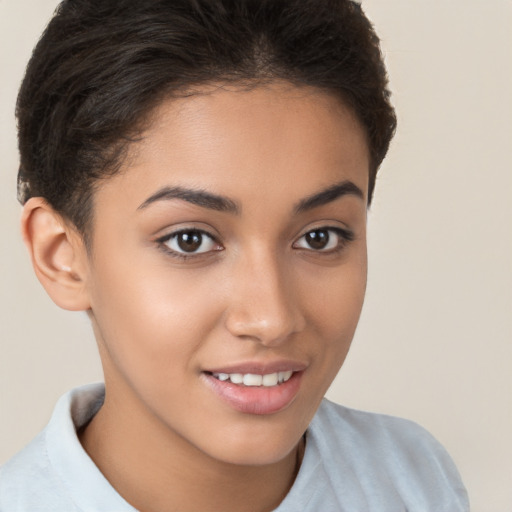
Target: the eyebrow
(329, 195)
(225, 204)
(197, 197)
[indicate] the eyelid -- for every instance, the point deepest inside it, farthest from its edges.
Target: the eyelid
(168, 229)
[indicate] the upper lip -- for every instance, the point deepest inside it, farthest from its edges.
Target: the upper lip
(259, 368)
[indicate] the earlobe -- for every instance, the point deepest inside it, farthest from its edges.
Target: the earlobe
(58, 254)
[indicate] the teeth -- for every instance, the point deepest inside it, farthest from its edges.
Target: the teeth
(251, 379)
(236, 378)
(284, 376)
(270, 380)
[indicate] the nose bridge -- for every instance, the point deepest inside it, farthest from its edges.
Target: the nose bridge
(263, 305)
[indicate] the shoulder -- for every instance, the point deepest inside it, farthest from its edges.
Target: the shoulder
(339, 424)
(39, 477)
(388, 452)
(28, 481)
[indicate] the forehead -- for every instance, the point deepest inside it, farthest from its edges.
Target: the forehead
(272, 140)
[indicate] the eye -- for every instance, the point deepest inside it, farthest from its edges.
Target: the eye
(324, 239)
(189, 242)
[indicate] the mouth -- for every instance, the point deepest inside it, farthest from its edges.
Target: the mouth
(255, 392)
(253, 379)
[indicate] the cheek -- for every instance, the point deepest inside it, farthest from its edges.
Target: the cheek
(335, 307)
(152, 317)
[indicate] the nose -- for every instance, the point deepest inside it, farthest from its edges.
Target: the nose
(263, 306)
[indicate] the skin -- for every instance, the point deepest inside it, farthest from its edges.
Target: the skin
(258, 293)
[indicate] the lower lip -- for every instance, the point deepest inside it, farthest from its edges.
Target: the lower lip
(256, 399)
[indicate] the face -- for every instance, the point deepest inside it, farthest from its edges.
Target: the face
(228, 267)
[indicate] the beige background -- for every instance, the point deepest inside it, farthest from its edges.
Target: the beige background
(435, 340)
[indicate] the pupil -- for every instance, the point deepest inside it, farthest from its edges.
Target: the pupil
(189, 241)
(317, 239)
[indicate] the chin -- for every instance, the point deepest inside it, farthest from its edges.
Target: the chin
(255, 447)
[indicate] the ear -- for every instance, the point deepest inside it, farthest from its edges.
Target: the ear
(58, 254)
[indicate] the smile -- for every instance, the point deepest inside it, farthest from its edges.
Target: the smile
(255, 380)
(255, 393)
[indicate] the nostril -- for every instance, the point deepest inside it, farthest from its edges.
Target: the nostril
(268, 331)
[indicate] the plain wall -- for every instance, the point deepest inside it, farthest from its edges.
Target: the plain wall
(435, 339)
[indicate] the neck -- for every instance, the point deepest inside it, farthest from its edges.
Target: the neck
(160, 470)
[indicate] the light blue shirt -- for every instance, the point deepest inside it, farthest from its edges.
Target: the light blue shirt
(354, 462)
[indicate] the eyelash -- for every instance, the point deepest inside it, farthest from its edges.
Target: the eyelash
(164, 240)
(344, 237)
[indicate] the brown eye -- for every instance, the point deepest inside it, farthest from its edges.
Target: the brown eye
(324, 239)
(190, 241)
(318, 239)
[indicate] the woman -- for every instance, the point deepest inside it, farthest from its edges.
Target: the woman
(196, 176)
